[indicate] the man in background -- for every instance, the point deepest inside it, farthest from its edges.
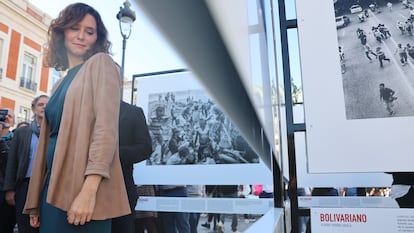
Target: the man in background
(387, 97)
(402, 189)
(134, 146)
(20, 162)
(7, 212)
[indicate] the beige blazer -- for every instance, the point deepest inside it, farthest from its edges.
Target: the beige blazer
(87, 144)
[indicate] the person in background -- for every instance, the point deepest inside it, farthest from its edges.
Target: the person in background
(387, 96)
(353, 191)
(174, 222)
(368, 51)
(245, 191)
(195, 191)
(410, 50)
(77, 183)
(20, 163)
(267, 191)
(328, 191)
(303, 220)
(211, 191)
(134, 146)
(325, 191)
(21, 124)
(389, 5)
(342, 59)
(382, 57)
(146, 221)
(227, 191)
(7, 212)
(402, 52)
(402, 189)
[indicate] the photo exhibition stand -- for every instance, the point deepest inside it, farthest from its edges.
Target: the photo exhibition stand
(291, 127)
(172, 90)
(218, 73)
(337, 142)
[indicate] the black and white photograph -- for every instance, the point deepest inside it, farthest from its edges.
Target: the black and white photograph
(356, 94)
(191, 134)
(186, 127)
(376, 53)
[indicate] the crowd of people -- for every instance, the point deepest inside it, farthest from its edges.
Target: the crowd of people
(192, 130)
(405, 52)
(166, 222)
(406, 26)
(70, 169)
(381, 33)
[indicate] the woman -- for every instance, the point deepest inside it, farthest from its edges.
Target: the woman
(77, 183)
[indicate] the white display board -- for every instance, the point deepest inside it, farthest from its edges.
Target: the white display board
(205, 205)
(178, 94)
(347, 202)
(347, 126)
(357, 220)
(335, 179)
(271, 222)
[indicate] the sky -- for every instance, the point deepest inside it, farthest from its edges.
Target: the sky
(146, 50)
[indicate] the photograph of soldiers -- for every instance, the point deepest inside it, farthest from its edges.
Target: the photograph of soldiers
(186, 127)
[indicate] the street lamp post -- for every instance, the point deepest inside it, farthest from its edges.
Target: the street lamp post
(126, 17)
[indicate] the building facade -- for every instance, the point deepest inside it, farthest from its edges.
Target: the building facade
(23, 34)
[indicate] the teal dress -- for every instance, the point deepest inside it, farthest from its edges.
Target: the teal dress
(52, 219)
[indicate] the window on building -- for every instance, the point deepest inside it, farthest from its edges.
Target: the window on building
(28, 72)
(1, 58)
(1, 50)
(24, 114)
(55, 78)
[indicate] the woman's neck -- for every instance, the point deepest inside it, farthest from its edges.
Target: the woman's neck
(74, 61)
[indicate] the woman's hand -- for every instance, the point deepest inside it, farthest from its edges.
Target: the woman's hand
(83, 206)
(34, 221)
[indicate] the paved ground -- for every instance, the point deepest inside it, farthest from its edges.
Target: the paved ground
(242, 224)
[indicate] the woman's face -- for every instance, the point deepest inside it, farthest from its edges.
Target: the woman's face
(80, 38)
